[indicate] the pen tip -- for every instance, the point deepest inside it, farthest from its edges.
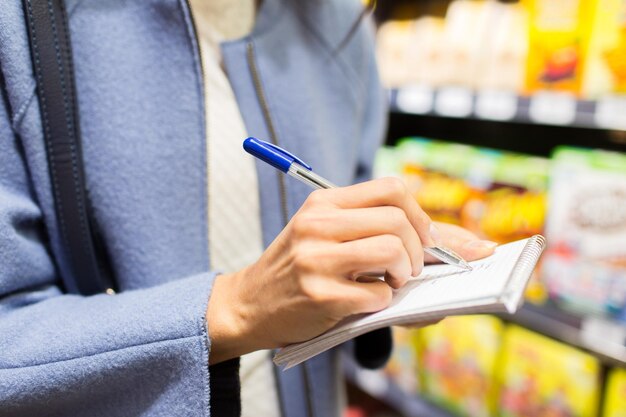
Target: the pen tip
(466, 266)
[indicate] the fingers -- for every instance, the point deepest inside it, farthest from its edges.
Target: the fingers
(463, 242)
(356, 297)
(476, 249)
(383, 192)
(353, 224)
(344, 297)
(385, 253)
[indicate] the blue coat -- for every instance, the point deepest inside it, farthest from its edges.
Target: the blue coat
(145, 350)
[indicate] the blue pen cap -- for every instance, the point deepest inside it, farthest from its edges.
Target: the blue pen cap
(272, 154)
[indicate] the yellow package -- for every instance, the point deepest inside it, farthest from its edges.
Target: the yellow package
(605, 69)
(541, 377)
(557, 44)
(433, 172)
(514, 206)
(615, 400)
(457, 363)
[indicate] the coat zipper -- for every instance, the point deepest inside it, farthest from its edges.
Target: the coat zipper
(260, 93)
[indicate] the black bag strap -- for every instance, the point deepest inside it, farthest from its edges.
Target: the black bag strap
(52, 62)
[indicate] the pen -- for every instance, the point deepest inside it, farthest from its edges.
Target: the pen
(297, 168)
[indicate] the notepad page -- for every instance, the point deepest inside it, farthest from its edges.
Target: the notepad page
(440, 285)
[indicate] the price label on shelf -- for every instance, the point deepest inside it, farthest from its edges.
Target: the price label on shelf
(611, 112)
(607, 337)
(454, 102)
(551, 107)
(496, 105)
(416, 99)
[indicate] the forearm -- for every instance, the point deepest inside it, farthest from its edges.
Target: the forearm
(106, 355)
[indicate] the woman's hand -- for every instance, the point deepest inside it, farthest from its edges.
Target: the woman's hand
(305, 282)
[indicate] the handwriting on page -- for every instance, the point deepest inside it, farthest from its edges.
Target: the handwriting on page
(443, 285)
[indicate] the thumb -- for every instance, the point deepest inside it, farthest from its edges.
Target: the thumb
(476, 249)
(462, 241)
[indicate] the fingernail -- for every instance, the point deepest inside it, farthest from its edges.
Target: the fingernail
(481, 244)
(435, 234)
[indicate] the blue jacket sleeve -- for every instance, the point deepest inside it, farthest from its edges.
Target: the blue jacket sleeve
(143, 352)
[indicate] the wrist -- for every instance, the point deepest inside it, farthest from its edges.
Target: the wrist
(224, 322)
(230, 319)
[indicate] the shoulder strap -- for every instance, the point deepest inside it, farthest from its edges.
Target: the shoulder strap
(52, 62)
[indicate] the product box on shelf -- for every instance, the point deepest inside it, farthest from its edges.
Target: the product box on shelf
(585, 265)
(437, 178)
(514, 206)
(408, 51)
(605, 69)
(457, 363)
(558, 33)
(615, 394)
(504, 48)
(541, 377)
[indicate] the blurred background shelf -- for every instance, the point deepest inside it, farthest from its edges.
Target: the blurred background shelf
(381, 387)
(518, 133)
(602, 337)
(505, 116)
(547, 108)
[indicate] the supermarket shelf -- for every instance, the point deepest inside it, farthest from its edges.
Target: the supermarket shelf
(604, 339)
(601, 337)
(511, 127)
(549, 108)
(381, 387)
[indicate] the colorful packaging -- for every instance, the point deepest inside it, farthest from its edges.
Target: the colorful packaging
(402, 366)
(499, 196)
(458, 360)
(514, 206)
(541, 377)
(605, 69)
(615, 397)
(558, 33)
(434, 172)
(585, 264)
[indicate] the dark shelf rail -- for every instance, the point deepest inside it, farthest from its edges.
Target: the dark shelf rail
(513, 129)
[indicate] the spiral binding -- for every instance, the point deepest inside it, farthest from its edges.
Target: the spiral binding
(524, 265)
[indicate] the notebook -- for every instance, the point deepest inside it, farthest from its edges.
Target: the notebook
(495, 284)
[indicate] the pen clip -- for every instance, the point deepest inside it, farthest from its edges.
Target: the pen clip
(272, 154)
